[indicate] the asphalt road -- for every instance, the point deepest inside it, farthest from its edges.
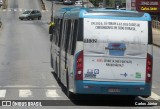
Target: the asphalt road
(24, 59)
(25, 72)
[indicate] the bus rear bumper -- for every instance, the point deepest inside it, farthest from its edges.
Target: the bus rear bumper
(113, 88)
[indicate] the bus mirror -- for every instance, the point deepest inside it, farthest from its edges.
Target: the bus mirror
(50, 29)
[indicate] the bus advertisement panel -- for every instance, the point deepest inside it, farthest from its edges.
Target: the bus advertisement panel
(117, 50)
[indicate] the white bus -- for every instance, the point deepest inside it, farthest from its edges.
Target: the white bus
(100, 51)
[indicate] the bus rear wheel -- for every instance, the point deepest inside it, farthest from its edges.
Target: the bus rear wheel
(56, 71)
(131, 98)
(51, 61)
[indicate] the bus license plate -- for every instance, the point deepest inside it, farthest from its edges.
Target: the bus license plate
(113, 90)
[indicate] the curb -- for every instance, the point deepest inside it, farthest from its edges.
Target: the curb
(5, 4)
(156, 45)
(154, 30)
(43, 5)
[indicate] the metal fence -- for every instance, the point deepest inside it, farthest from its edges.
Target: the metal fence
(156, 24)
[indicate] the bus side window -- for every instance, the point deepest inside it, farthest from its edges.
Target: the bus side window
(71, 36)
(67, 35)
(54, 30)
(58, 30)
(53, 35)
(60, 34)
(80, 30)
(64, 35)
(73, 46)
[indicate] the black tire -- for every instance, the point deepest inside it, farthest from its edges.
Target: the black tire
(28, 18)
(130, 98)
(0, 24)
(51, 61)
(56, 72)
(69, 94)
(145, 96)
(39, 18)
(51, 37)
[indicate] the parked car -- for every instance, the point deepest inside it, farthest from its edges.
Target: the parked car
(31, 14)
(78, 3)
(68, 2)
(1, 3)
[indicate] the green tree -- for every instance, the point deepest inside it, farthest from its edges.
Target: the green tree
(95, 2)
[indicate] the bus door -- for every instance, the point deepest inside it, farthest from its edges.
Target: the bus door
(64, 49)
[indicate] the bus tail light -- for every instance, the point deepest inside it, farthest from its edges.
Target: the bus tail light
(79, 66)
(149, 68)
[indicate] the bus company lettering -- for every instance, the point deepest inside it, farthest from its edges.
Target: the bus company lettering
(90, 40)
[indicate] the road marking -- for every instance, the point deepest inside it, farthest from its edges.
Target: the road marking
(2, 93)
(20, 10)
(153, 87)
(20, 86)
(155, 96)
(27, 86)
(50, 86)
(25, 93)
(52, 93)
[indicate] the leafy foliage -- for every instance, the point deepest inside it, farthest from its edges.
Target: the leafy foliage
(95, 2)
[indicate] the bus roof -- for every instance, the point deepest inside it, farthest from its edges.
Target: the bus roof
(103, 13)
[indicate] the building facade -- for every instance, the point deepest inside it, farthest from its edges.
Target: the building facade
(114, 3)
(150, 6)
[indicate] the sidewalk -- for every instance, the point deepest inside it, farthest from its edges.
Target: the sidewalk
(156, 37)
(56, 5)
(48, 4)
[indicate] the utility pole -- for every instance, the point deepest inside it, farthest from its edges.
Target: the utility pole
(52, 12)
(104, 3)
